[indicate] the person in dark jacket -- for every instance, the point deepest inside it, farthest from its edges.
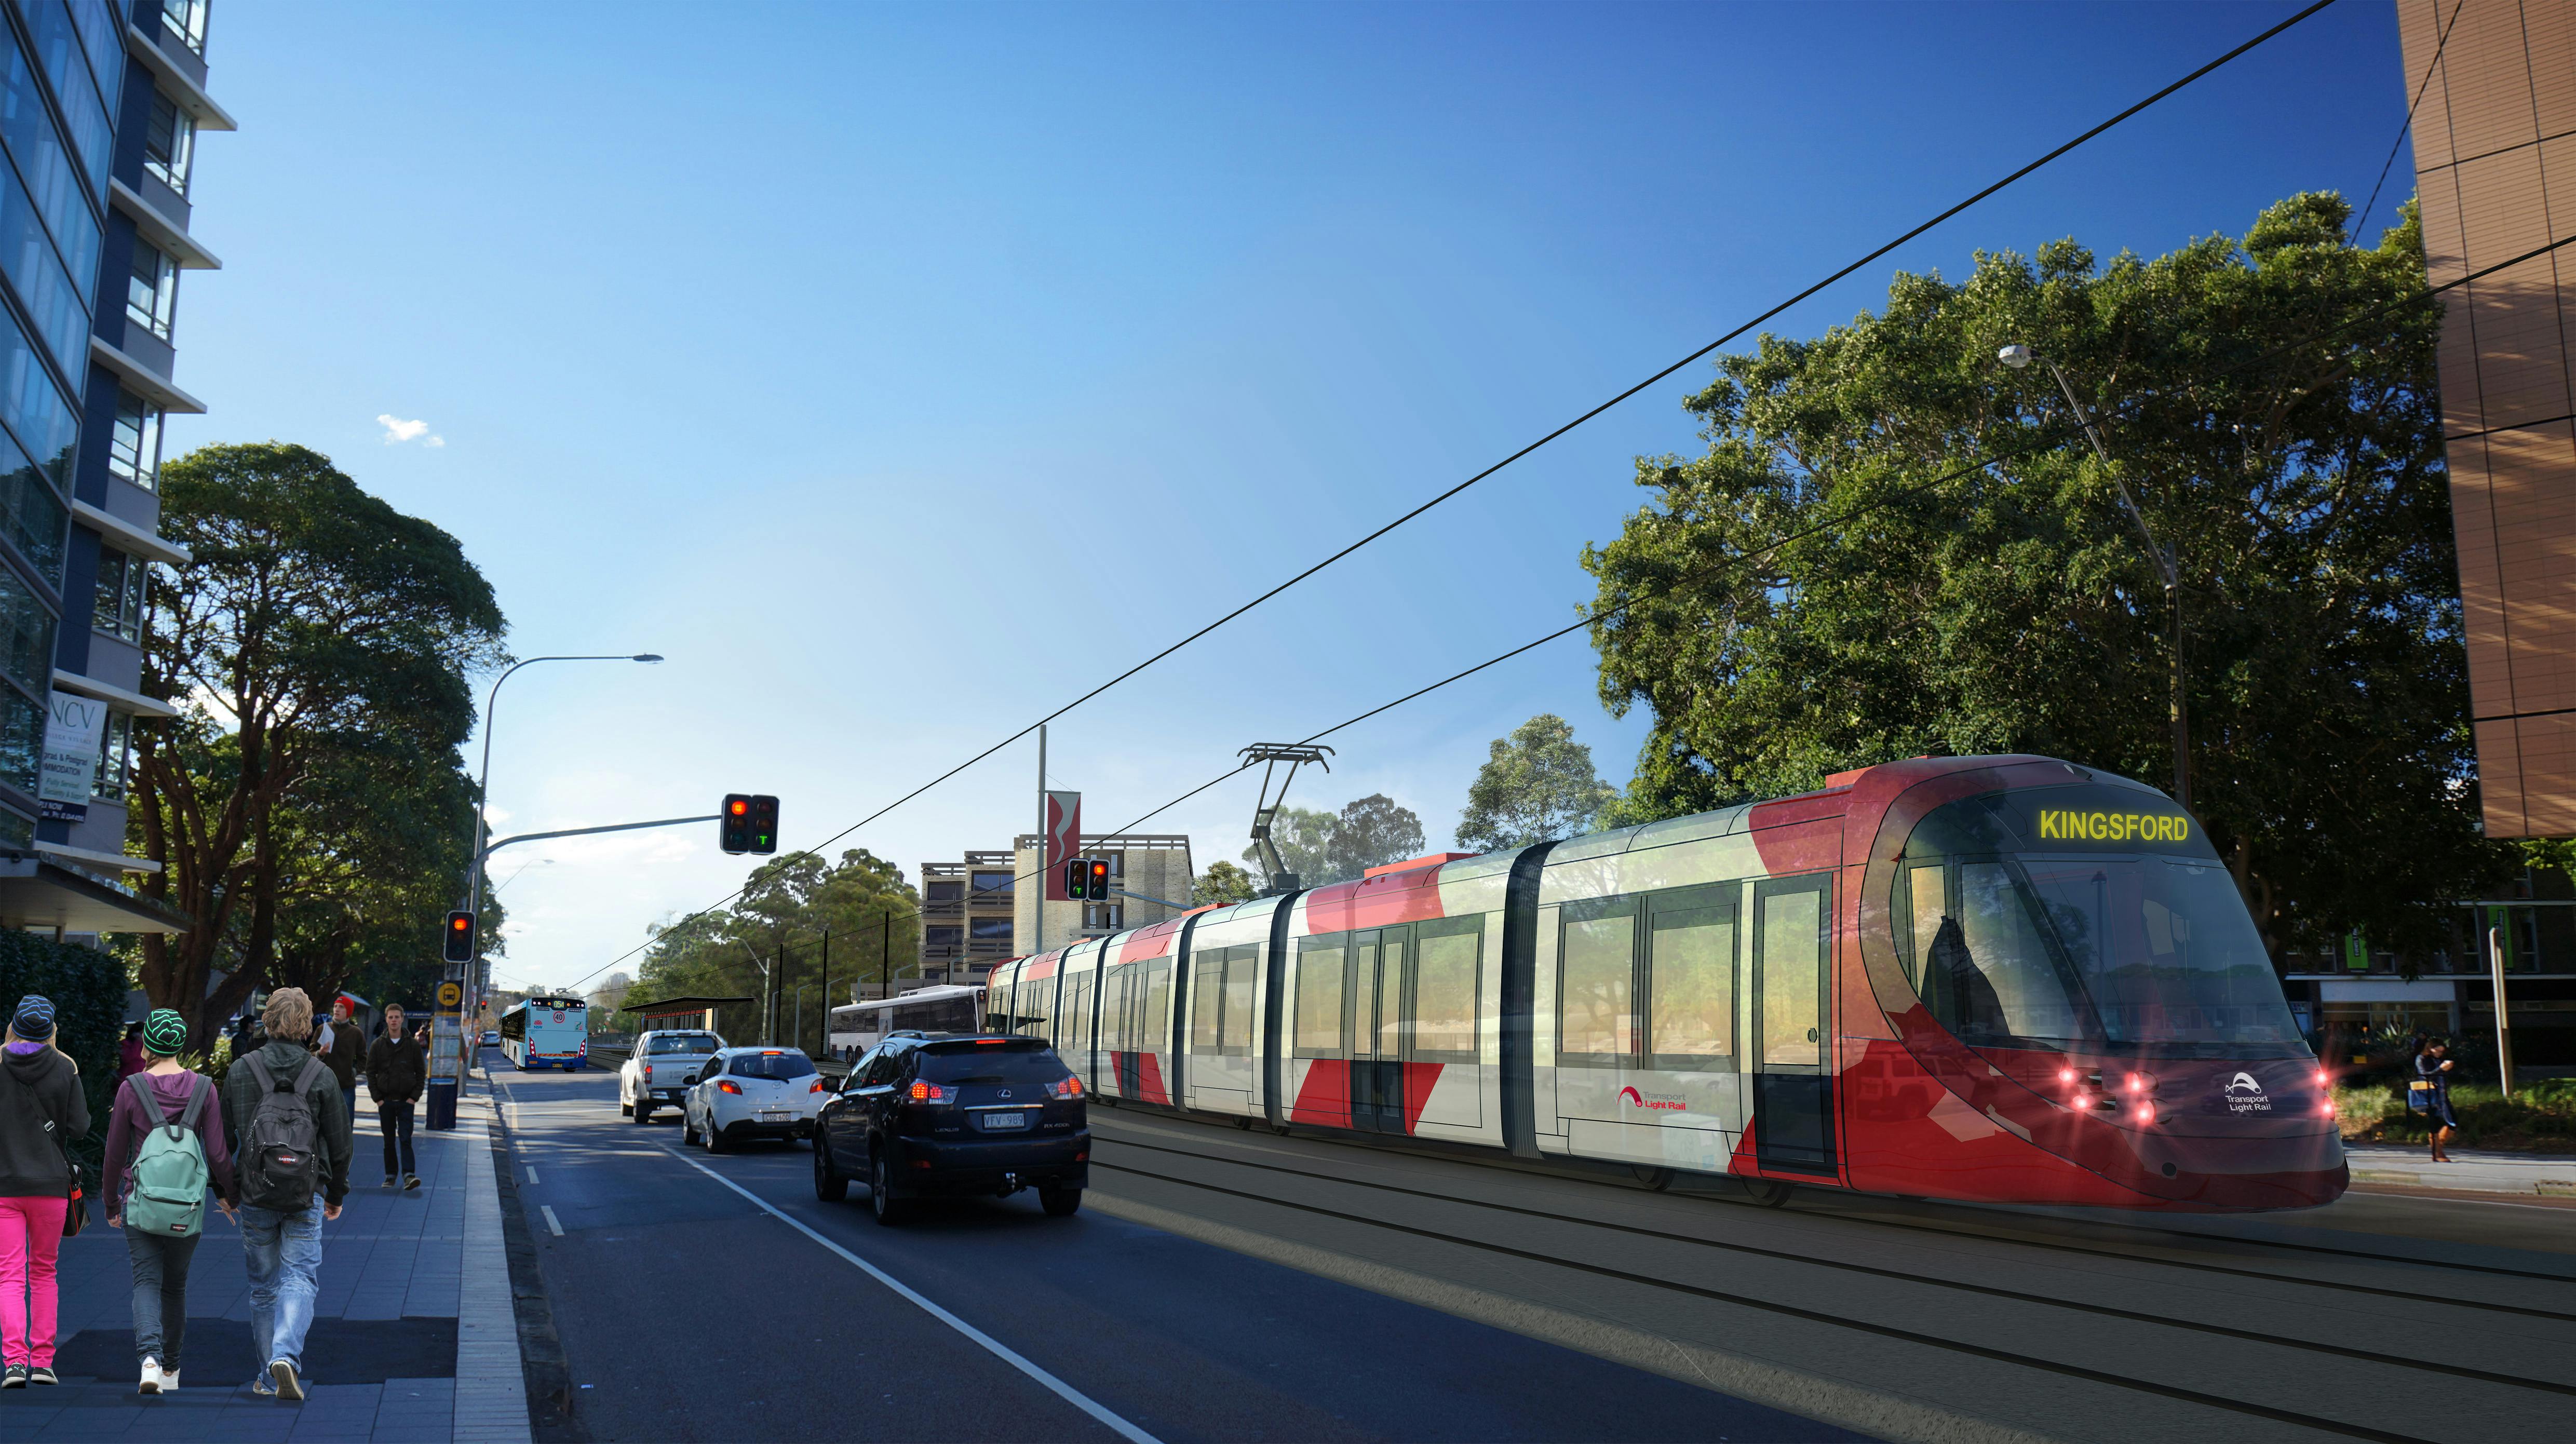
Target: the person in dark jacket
(161, 1264)
(40, 1103)
(283, 1246)
(397, 1070)
(130, 1057)
(342, 1047)
(2433, 1074)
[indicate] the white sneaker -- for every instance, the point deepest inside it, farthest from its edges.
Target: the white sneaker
(282, 1374)
(169, 1381)
(150, 1383)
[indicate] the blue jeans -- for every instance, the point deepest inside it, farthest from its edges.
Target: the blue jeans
(284, 1251)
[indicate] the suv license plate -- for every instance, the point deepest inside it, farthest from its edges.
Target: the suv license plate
(994, 1121)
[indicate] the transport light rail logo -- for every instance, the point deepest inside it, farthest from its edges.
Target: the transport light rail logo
(2243, 1095)
(1640, 1100)
(2067, 825)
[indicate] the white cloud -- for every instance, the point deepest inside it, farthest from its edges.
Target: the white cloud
(398, 430)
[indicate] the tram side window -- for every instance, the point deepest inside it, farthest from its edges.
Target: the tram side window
(1114, 1000)
(1596, 966)
(1690, 989)
(1154, 1010)
(1239, 1012)
(1444, 990)
(1207, 998)
(1320, 963)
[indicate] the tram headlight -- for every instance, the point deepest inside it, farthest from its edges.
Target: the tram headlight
(2066, 1076)
(2142, 1083)
(2146, 1114)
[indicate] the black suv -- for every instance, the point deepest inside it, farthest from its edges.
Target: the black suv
(955, 1115)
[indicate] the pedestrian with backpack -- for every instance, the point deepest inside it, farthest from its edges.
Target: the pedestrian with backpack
(41, 1110)
(292, 1137)
(165, 1150)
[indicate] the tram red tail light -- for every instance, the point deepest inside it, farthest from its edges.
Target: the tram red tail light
(2324, 1078)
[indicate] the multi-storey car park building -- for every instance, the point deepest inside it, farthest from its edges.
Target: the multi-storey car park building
(104, 102)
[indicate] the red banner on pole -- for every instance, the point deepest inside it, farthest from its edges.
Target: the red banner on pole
(1063, 840)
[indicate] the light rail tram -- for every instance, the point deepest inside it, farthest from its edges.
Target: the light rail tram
(2003, 979)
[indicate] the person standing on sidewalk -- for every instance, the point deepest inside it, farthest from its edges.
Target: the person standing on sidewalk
(397, 1069)
(342, 1047)
(2433, 1074)
(130, 1058)
(283, 1107)
(41, 1108)
(165, 1106)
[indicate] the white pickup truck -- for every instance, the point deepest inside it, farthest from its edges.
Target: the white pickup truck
(661, 1068)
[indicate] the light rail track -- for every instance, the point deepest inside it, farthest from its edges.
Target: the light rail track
(1177, 1153)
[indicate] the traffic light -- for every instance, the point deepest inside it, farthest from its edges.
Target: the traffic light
(460, 937)
(1086, 879)
(1099, 868)
(748, 823)
(764, 823)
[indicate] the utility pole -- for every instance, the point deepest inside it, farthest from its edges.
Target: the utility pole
(1037, 905)
(2495, 972)
(885, 954)
(823, 1032)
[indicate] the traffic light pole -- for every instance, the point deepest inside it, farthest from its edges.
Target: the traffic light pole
(493, 847)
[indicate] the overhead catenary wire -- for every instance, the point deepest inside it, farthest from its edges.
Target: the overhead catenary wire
(1948, 213)
(2408, 123)
(1840, 518)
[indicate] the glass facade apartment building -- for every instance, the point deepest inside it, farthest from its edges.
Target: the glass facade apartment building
(104, 101)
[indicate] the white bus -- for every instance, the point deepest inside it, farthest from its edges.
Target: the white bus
(547, 1033)
(941, 1008)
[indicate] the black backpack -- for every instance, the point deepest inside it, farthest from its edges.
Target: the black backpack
(282, 1164)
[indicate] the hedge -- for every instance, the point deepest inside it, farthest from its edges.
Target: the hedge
(88, 992)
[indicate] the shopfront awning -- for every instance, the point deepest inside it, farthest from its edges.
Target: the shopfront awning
(38, 892)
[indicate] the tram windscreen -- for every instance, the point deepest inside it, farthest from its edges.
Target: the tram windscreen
(2085, 916)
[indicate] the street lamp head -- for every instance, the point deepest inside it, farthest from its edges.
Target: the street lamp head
(2015, 356)
(646, 657)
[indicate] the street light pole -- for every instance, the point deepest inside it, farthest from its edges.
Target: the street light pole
(480, 982)
(2166, 557)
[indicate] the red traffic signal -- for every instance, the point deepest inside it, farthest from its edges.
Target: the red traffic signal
(459, 947)
(1099, 879)
(748, 822)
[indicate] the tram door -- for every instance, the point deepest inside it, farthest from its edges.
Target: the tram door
(1793, 1105)
(1377, 1028)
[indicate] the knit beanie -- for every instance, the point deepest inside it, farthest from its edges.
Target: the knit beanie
(34, 1020)
(164, 1033)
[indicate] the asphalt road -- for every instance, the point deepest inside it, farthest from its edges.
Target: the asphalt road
(688, 1312)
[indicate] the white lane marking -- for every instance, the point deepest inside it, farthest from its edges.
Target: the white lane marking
(994, 1346)
(553, 1225)
(532, 1173)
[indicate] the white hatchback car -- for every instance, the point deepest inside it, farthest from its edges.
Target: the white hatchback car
(752, 1093)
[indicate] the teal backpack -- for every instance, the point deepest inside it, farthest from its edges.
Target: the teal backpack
(168, 1194)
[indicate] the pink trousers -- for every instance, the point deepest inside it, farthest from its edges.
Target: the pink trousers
(31, 1234)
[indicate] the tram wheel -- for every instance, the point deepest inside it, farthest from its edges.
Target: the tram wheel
(1769, 1192)
(1657, 1179)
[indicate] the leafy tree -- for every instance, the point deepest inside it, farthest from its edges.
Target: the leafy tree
(2271, 406)
(1321, 847)
(1221, 884)
(1304, 839)
(1537, 785)
(787, 906)
(1372, 832)
(317, 626)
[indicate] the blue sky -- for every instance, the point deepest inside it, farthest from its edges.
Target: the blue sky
(902, 372)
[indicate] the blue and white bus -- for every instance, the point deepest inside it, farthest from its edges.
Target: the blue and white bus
(547, 1033)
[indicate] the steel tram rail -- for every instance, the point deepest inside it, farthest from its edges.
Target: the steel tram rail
(2373, 1356)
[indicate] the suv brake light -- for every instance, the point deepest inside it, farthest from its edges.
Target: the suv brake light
(1068, 1086)
(928, 1093)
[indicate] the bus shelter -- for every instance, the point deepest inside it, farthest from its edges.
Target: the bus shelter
(675, 1013)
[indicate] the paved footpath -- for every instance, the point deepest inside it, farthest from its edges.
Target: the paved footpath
(413, 1339)
(2532, 1175)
